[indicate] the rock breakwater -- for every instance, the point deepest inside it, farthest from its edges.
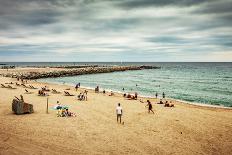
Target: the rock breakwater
(74, 72)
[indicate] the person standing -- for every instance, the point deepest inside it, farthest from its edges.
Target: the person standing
(86, 93)
(149, 106)
(76, 87)
(163, 95)
(156, 95)
(119, 113)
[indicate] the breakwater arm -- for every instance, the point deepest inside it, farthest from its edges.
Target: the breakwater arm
(74, 72)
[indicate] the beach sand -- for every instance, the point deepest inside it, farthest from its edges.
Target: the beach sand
(184, 129)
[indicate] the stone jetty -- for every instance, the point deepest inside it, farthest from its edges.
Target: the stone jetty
(76, 71)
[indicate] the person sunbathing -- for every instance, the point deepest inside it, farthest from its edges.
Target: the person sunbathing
(54, 91)
(131, 97)
(23, 85)
(67, 113)
(45, 88)
(168, 104)
(41, 93)
(128, 96)
(67, 93)
(32, 87)
(10, 87)
(161, 102)
(111, 94)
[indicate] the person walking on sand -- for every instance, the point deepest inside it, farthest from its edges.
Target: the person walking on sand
(163, 95)
(149, 106)
(119, 113)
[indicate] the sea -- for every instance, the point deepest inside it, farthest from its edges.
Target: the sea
(206, 83)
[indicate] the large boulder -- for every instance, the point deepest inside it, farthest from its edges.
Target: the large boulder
(20, 107)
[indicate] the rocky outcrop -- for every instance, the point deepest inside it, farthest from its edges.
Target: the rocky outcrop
(76, 71)
(20, 107)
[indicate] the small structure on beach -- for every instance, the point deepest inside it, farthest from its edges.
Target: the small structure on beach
(20, 107)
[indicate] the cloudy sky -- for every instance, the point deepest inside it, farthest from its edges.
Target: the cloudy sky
(115, 30)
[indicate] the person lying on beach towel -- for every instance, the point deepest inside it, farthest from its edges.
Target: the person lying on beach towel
(32, 87)
(23, 85)
(42, 93)
(168, 104)
(131, 97)
(161, 102)
(3, 86)
(54, 91)
(111, 93)
(67, 94)
(9, 83)
(10, 87)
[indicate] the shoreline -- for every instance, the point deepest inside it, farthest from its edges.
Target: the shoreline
(47, 70)
(142, 96)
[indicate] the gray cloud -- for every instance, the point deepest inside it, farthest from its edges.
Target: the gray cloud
(114, 28)
(130, 4)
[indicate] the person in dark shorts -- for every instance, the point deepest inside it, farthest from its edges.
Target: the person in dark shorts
(149, 106)
(119, 113)
(76, 87)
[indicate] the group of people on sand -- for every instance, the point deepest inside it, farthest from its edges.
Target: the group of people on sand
(130, 96)
(63, 111)
(43, 90)
(83, 96)
(166, 104)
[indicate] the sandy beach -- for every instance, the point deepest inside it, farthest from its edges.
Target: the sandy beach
(184, 129)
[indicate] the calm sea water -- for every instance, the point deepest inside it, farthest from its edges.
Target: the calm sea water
(206, 83)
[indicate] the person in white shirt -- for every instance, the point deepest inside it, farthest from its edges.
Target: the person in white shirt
(119, 112)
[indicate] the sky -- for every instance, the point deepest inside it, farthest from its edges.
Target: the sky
(116, 30)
